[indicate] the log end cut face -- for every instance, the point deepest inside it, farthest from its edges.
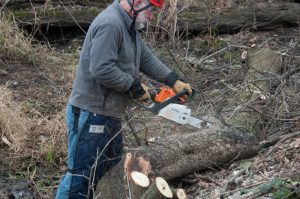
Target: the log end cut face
(163, 187)
(140, 179)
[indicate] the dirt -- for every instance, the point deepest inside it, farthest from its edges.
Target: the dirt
(42, 91)
(20, 189)
(248, 178)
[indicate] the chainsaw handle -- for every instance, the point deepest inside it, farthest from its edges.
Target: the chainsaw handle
(191, 97)
(156, 107)
(153, 94)
(185, 92)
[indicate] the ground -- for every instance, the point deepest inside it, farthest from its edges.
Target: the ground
(35, 92)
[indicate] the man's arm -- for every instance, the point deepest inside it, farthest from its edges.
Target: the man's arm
(105, 42)
(154, 68)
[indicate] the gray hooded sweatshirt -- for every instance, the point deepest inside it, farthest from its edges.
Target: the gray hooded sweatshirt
(109, 62)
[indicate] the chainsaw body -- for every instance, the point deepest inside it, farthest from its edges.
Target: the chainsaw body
(169, 105)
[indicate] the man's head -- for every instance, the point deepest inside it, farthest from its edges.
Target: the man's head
(142, 10)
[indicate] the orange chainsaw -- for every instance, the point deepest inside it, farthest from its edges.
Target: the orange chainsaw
(170, 105)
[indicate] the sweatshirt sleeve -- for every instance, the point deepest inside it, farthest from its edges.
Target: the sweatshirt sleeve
(153, 67)
(105, 42)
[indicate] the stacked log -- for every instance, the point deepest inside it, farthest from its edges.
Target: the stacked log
(141, 185)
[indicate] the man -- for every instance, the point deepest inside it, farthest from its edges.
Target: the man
(107, 78)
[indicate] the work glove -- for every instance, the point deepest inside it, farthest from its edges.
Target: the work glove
(180, 85)
(139, 91)
(146, 96)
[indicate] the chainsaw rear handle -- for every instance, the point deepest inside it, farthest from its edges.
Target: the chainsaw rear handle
(190, 97)
(155, 107)
(153, 93)
(175, 98)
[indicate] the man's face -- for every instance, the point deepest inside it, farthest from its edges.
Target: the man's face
(146, 15)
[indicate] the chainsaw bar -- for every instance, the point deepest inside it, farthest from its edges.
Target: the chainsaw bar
(182, 114)
(197, 123)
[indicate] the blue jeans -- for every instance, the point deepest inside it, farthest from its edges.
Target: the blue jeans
(95, 145)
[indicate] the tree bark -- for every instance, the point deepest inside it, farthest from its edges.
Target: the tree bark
(152, 193)
(179, 155)
(261, 16)
(29, 4)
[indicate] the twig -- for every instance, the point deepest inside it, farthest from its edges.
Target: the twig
(4, 5)
(220, 51)
(284, 138)
(128, 185)
(288, 195)
(231, 180)
(72, 16)
(93, 168)
(211, 55)
(247, 187)
(134, 132)
(207, 178)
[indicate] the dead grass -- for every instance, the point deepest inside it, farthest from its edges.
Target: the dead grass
(56, 133)
(52, 72)
(34, 90)
(14, 42)
(14, 127)
(31, 136)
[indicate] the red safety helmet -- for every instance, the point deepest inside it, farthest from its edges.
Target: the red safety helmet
(157, 3)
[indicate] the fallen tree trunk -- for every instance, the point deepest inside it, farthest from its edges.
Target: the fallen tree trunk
(179, 155)
(25, 4)
(262, 16)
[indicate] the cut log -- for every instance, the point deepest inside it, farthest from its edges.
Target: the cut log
(163, 187)
(136, 162)
(138, 185)
(136, 168)
(112, 184)
(180, 194)
(263, 62)
(152, 193)
(179, 155)
(261, 16)
(159, 189)
(140, 179)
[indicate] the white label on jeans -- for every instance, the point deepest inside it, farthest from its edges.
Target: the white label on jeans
(96, 129)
